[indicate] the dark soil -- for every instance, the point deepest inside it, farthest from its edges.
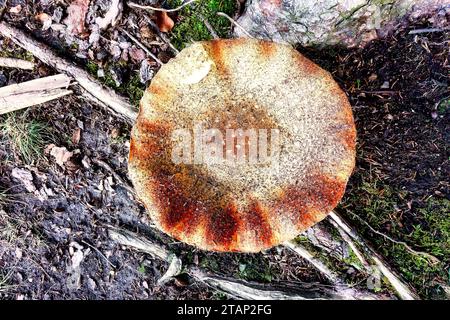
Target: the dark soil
(398, 88)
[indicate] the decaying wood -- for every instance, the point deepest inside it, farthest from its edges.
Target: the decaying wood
(16, 63)
(96, 90)
(238, 289)
(26, 94)
(401, 288)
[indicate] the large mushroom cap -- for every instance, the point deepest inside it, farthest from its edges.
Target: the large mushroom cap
(242, 84)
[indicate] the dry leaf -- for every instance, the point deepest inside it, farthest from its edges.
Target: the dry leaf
(76, 136)
(164, 22)
(16, 9)
(45, 19)
(76, 16)
(61, 155)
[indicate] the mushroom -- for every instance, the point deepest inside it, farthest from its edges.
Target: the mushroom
(192, 154)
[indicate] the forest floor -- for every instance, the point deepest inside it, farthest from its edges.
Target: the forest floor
(53, 212)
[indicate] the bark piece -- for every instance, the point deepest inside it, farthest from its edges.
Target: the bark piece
(76, 16)
(16, 63)
(345, 22)
(26, 94)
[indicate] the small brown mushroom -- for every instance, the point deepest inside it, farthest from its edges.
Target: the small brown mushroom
(212, 192)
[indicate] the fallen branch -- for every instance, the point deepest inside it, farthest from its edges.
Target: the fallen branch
(235, 288)
(402, 289)
(26, 94)
(352, 246)
(136, 41)
(135, 5)
(96, 90)
(16, 63)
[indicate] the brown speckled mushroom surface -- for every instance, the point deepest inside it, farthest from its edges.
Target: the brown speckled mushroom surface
(243, 84)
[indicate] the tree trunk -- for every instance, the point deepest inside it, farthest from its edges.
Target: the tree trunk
(328, 22)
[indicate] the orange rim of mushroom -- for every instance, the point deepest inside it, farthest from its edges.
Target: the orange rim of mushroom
(256, 87)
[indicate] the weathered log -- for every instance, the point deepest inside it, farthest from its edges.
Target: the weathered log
(26, 94)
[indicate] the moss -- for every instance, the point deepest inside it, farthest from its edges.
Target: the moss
(189, 25)
(210, 263)
(443, 106)
(92, 68)
(141, 269)
(131, 87)
(255, 270)
(426, 228)
(17, 53)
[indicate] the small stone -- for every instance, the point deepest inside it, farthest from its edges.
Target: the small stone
(100, 73)
(18, 253)
(145, 72)
(116, 52)
(136, 54)
(57, 15)
(16, 9)
(91, 284)
(385, 85)
(3, 80)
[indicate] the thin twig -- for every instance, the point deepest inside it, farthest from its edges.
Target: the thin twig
(209, 27)
(235, 23)
(100, 253)
(142, 46)
(352, 245)
(428, 30)
(161, 35)
(404, 244)
(132, 4)
(319, 265)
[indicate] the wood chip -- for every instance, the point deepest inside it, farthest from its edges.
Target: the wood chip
(26, 94)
